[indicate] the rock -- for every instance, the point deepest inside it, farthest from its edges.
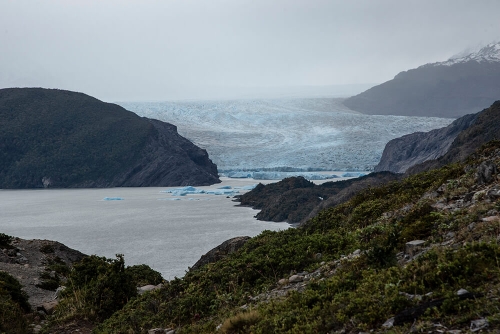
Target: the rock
(471, 226)
(356, 252)
(221, 251)
(491, 219)
(449, 235)
(295, 279)
(404, 152)
(146, 288)
(454, 331)
(37, 329)
(485, 172)
(48, 307)
(318, 256)
(462, 292)
(389, 323)
(58, 292)
(414, 246)
(169, 331)
(493, 194)
(476, 325)
(283, 281)
(157, 331)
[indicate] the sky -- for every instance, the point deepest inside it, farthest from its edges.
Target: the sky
(147, 50)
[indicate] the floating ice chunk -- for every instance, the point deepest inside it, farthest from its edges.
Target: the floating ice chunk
(183, 191)
(353, 174)
(225, 187)
(169, 199)
(227, 192)
(113, 199)
(240, 175)
(249, 187)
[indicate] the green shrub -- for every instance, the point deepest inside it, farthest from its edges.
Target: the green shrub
(5, 240)
(11, 287)
(142, 274)
(97, 287)
(46, 249)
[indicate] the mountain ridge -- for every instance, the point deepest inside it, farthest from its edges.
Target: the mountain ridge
(449, 89)
(63, 139)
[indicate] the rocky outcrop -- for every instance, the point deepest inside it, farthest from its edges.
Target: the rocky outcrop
(448, 89)
(169, 160)
(406, 151)
(485, 128)
(295, 199)
(60, 139)
(221, 251)
(32, 262)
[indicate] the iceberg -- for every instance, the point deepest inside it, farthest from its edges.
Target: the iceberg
(113, 199)
(227, 192)
(183, 191)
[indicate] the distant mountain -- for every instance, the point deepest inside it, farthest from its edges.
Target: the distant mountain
(57, 138)
(422, 151)
(453, 88)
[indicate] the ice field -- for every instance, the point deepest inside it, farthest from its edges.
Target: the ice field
(304, 134)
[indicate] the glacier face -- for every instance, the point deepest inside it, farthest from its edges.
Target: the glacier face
(306, 134)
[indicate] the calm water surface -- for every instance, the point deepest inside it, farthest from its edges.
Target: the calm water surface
(147, 226)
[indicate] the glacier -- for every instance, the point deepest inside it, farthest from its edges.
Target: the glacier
(248, 137)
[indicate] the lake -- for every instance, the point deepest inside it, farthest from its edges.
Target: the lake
(147, 226)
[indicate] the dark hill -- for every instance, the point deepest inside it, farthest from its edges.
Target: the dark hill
(449, 89)
(57, 138)
(295, 199)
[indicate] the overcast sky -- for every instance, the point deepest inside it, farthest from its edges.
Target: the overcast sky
(127, 50)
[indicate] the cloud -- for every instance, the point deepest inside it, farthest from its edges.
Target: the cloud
(118, 50)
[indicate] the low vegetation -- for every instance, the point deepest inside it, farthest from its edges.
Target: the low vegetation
(13, 305)
(353, 293)
(366, 275)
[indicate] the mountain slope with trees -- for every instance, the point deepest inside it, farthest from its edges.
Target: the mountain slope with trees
(57, 138)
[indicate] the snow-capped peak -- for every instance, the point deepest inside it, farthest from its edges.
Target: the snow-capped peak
(489, 53)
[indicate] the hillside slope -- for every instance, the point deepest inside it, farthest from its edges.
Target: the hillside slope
(485, 128)
(404, 152)
(447, 89)
(416, 254)
(56, 138)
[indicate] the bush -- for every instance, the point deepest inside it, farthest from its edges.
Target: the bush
(9, 286)
(5, 240)
(97, 287)
(143, 275)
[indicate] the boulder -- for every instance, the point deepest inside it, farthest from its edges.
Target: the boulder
(221, 251)
(48, 307)
(295, 278)
(413, 247)
(485, 172)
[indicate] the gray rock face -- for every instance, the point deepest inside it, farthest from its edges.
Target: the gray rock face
(221, 251)
(485, 172)
(404, 152)
(169, 160)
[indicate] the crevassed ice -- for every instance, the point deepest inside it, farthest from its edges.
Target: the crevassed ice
(318, 134)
